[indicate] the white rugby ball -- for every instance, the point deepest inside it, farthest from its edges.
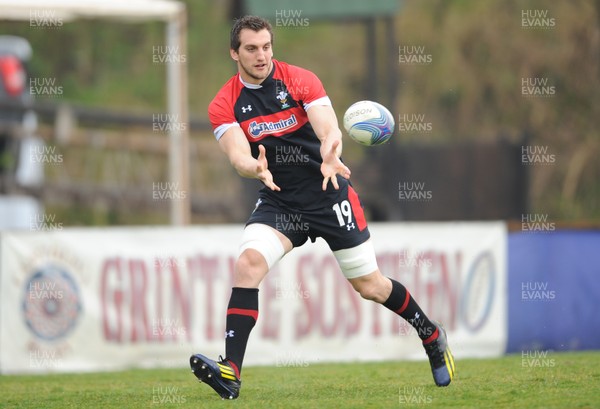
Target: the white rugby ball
(369, 123)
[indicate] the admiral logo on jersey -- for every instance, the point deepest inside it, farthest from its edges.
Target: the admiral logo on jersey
(259, 129)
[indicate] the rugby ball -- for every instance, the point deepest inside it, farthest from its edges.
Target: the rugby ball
(369, 123)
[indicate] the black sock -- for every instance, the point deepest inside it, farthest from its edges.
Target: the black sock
(242, 313)
(405, 306)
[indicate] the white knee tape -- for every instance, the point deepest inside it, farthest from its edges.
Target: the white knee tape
(357, 261)
(263, 239)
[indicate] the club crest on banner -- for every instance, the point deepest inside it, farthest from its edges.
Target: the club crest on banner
(51, 302)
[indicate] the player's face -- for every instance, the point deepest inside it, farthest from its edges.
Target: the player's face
(254, 57)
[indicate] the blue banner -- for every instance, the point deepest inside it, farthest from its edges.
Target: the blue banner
(554, 290)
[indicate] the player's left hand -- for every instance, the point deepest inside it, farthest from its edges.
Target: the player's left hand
(333, 166)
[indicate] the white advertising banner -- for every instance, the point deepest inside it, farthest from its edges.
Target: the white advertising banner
(105, 299)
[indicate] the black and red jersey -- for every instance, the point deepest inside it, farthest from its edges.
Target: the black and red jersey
(273, 114)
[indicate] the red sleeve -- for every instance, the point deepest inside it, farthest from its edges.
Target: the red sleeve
(304, 85)
(220, 109)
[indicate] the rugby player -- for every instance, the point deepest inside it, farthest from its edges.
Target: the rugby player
(268, 108)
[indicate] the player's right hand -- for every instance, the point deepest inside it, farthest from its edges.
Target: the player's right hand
(262, 171)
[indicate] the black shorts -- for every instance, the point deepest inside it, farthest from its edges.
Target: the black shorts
(341, 224)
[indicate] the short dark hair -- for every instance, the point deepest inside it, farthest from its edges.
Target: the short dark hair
(253, 23)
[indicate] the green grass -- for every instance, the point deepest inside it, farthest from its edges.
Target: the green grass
(564, 380)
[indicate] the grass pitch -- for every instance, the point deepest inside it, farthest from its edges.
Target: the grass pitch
(558, 380)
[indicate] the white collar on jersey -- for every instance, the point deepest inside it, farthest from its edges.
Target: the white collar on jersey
(248, 85)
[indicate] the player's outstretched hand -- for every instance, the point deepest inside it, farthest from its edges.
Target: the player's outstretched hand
(332, 166)
(262, 171)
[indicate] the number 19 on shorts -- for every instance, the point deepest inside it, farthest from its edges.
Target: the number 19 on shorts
(343, 211)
